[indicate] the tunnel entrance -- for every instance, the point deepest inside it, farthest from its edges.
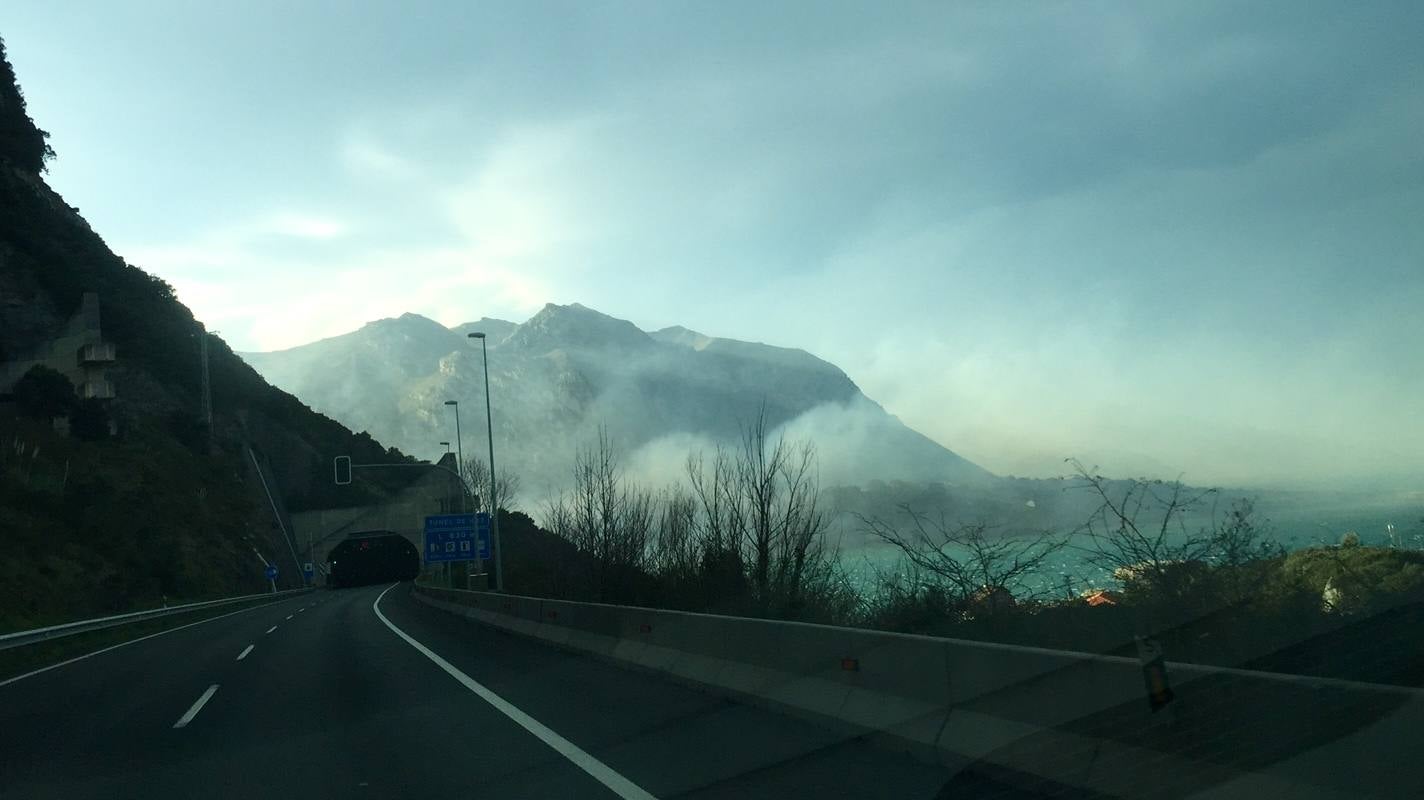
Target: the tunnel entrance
(369, 557)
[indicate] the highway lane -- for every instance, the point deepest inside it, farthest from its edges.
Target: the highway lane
(93, 717)
(670, 739)
(329, 701)
(329, 704)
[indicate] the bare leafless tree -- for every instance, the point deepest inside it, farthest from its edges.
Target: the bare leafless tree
(606, 518)
(966, 559)
(747, 531)
(677, 548)
(476, 473)
(760, 502)
(1139, 531)
(722, 515)
(1239, 538)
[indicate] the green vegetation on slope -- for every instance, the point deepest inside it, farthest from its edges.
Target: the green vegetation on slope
(91, 524)
(93, 528)
(21, 143)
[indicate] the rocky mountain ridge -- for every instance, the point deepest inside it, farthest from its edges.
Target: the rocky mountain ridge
(569, 371)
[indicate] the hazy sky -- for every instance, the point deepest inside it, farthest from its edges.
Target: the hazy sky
(1184, 238)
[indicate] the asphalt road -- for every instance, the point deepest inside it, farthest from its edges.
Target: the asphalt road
(334, 695)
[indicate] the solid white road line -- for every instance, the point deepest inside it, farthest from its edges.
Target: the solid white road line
(244, 653)
(273, 628)
(197, 706)
(102, 650)
(600, 771)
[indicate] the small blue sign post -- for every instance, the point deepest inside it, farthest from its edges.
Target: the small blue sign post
(271, 572)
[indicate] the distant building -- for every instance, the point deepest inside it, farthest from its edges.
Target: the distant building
(78, 351)
(1100, 597)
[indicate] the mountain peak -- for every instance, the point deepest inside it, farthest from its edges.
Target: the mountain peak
(409, 330)
(406, 321)
(576, 326)
(685, 337)
(497, 330)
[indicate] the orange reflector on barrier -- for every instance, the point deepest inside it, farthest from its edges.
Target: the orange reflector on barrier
(645, 629)
(850, 664)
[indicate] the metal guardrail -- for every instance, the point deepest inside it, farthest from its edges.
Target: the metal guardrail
(36, 635)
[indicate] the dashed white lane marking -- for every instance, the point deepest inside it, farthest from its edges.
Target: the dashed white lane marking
(245, 651)
(196, 707)
(273, 628)
(300, 610)
(289, 616)
(600, 771)
(102, 650)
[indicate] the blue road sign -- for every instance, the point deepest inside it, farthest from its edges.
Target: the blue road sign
(271, 571)
(308, 570)
(443, 521)
(455, 537)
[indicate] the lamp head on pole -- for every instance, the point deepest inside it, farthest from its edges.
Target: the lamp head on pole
(452, 402)
(475, 335)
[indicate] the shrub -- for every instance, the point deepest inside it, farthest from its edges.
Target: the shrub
(1361, 578)
(44, 393)
(90, 421)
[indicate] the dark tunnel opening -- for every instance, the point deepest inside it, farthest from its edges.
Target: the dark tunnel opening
(373, 557)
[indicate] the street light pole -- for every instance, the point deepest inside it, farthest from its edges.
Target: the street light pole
(459, 469)
(494, 500)
(462, 496)
(459, 440)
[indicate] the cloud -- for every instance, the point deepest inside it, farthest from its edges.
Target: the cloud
(303, 227)
(521, 204)
(1183, 237)
(331, 291)
(366, 158)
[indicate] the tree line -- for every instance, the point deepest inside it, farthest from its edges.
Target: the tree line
(746, 532)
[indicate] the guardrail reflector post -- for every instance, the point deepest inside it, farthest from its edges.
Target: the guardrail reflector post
(1154, 673)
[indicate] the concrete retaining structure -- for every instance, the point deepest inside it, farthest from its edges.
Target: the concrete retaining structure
(1040, 718)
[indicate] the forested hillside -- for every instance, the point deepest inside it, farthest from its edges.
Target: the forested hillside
(92, 523)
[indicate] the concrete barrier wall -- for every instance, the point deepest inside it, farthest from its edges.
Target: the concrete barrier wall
(1054, 718)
